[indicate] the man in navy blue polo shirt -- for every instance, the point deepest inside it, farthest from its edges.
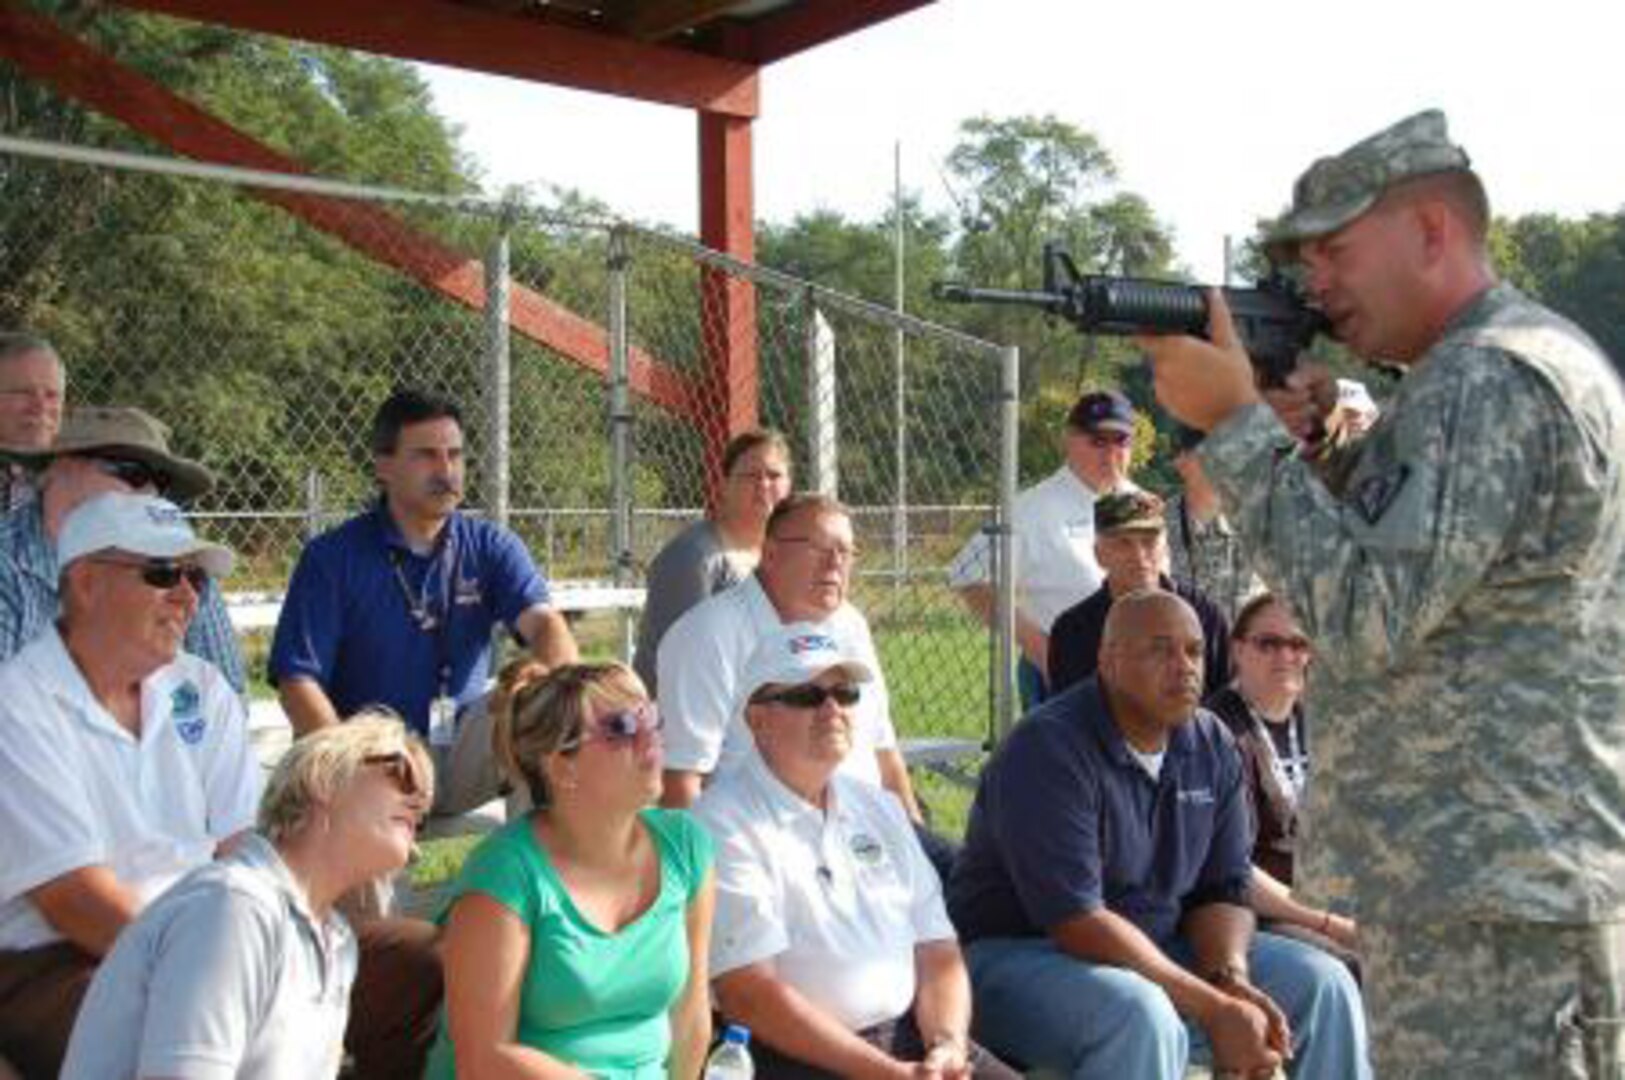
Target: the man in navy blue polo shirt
(1102, 888)
(396, 606)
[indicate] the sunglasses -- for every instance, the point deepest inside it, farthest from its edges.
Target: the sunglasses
(1274, 643)
(620, 727)
(1100, 440)
(164, 575)
(810, 696)
(137, 474)
(399, 767)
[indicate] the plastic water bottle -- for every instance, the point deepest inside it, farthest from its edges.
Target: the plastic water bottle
(731, 1060)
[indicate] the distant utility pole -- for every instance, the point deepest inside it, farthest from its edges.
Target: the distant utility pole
(899, 538)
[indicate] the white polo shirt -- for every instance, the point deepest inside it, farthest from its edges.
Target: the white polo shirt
(78, 790)
(700, 661)
(836, 899)
(227, 974)
(1053, 525)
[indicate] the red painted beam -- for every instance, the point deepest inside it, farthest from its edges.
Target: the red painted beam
(727, 303)
(803, 26)
(42, 50)
(496, 42)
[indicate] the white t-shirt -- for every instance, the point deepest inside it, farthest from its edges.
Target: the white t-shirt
(700, 660)
(1053, 526)
(227, 974)
(78, 790)
(836, 899)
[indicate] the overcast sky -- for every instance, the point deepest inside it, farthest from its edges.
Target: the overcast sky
(1210, 110)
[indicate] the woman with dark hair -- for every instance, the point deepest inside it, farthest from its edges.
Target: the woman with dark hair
(1263, 707)
(576, 936)
(718, 551)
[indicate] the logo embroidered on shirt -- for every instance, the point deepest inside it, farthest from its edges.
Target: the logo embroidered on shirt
(807, 643)
(866, 849)
(1196, 796)
(185, 704)
(1375, 494)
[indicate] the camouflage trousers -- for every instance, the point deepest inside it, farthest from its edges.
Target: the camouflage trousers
(1536, 1001)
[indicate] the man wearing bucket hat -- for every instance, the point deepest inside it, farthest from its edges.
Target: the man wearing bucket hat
(1461, 569)
(124, 761)
(101, 449)
(830, 939)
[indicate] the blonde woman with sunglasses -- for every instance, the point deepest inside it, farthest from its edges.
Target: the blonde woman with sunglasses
(245, 966)
(576, 937)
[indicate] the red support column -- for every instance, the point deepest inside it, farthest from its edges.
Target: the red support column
(728, 304)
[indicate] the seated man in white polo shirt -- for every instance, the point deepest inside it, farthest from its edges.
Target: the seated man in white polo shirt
(830, 939)
(124, 762)
(805, 570)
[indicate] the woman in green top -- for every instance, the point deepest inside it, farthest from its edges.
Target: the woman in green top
(576, 937)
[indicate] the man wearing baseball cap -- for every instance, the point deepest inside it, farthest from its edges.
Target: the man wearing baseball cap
(1461, 569)
(101, 449)
(1053, 523)
(1131, 544)
(830, 940)
(124, 763)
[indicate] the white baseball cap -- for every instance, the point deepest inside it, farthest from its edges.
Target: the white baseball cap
(139, 525)
(797, 653)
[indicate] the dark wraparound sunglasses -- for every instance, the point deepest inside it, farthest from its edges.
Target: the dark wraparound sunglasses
(162, 574)
(810, 696)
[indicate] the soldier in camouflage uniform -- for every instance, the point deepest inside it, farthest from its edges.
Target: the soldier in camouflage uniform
(1462, 569)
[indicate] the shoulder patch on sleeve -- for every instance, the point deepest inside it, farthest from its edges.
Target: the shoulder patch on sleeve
(1375, 494)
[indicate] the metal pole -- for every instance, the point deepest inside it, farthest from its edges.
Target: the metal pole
(620, 430)
(498, 377)
(899, 537)
(1004, 684)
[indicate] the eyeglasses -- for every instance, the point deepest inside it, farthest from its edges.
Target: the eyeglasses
(1101, 440)
(137, 474)
(164, 575)
(620, 727)
(810, 696)
(838, 552)
(399, 767)
(1274, 643)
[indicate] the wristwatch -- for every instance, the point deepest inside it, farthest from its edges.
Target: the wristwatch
(1227, 973)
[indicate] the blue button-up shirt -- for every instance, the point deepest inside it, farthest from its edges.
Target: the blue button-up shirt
(29, 602)
(1067, 821)
(373, 622)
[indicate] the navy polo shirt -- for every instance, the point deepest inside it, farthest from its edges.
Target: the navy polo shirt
(1067, 821)
(348, 619)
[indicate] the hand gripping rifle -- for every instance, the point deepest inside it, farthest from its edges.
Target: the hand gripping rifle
(1273, 320)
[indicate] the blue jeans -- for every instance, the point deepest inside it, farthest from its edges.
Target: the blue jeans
(1039, 1006)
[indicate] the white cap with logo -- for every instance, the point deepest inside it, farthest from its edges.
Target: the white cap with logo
(137, 525)
(797, 653)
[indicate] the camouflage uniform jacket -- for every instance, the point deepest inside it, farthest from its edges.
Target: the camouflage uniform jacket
(1466, 594)
(1209, 555)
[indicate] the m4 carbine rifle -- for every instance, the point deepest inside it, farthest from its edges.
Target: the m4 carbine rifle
(1273, 320)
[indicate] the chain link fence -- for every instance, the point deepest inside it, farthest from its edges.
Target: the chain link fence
(264, 318)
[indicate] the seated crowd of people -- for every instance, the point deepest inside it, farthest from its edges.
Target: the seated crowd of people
(725, 832)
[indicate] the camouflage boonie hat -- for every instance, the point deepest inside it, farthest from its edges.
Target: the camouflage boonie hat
(1336, 190)
(1128, 511)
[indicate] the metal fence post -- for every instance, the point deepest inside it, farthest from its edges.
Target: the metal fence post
(498, 376)
(620, 429)
(1005, 692)
(822, 434)
(313, 504)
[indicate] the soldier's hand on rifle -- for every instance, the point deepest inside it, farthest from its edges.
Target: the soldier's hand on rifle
(1202, 383)
(1306, 401)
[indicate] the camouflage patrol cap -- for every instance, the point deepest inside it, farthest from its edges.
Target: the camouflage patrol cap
(1128, 511)
(1336, 190)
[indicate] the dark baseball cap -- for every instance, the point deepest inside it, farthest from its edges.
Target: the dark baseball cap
(1102, 410)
